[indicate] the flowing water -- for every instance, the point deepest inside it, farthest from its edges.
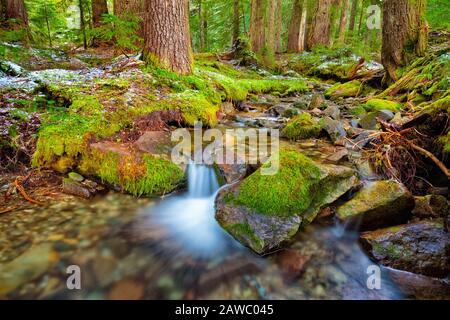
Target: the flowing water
(173, 248)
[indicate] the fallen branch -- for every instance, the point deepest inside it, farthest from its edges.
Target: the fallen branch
(8, 209)
(24, 194)
(427, 153)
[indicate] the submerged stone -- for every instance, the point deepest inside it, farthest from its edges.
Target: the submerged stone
(422, 247)
(378, 204)
(264, 211)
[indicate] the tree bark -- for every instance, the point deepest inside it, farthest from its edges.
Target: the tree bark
(167, 35)
(320, 24)
(236, 20)
(99, 8)
(405, 34)
(343, 21)
(278, 10)
(203, 26)
(15, 9)
(262, 29)
(353, 14)
(297, 27)
(83, 23)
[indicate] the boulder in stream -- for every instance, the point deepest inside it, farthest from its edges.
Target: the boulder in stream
(422, 247)
(378, 204)
(263, 211)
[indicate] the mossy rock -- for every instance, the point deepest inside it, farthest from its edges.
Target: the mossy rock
(345, 90)
(378, 204)
(381, 104)
(263, 211)
(303, 126)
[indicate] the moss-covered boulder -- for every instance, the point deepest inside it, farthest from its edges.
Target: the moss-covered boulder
(381, 104)
(422, 247)
(378, 204)
(263, 211)
(345, 90)
(303, 126)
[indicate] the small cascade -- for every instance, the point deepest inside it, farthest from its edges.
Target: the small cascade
(202, 181)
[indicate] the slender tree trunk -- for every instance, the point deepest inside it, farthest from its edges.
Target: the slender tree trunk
(83, 23)
(361, 16)
(99, 8)
(236, 20)
(343, 21)
(167, 35)
(203, 26)
(297, 27)
(320, 24)
(353, 14)
(47, 23)
(278, 26)
(405, 34)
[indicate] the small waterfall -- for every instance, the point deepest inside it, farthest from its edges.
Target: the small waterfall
(202, 181)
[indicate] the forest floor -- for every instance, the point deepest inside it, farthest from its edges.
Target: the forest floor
(75, 125)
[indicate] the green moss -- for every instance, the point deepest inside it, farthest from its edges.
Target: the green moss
(244, 233)
(358, 110)
(381, 104)
(148, 175)
(348, 89)
(288, 192)
(303, 126)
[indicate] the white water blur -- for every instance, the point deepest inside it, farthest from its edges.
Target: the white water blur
(189, 218)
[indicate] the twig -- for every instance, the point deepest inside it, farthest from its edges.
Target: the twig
(24, 194)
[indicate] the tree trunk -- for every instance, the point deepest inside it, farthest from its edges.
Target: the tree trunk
(405, 34)
(236, 20)
(83, 23)
(99, 8)
(15, 9)
(262, 29)
(343, 21)
(203, 26)
(353, 14)
(167, 35)
(297, 28)
(278, 26)
(320, 24)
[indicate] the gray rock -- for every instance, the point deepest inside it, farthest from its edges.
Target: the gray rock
(333, 112)
(422, 247)
(369, 121)
(335, 129)
(317, 101)
(378, 204)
